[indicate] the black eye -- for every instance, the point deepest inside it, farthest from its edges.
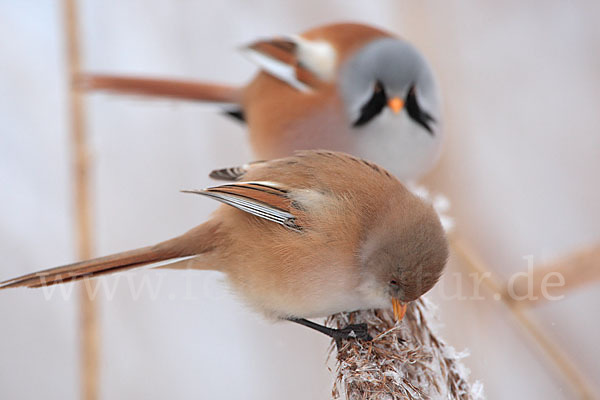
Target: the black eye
(414, 111)
(372, 107)
(393, 283)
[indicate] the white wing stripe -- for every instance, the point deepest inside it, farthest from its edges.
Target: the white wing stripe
(278, 69)
(255, 208)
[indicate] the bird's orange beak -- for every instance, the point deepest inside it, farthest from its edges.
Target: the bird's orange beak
(396, 104)
(399, 309)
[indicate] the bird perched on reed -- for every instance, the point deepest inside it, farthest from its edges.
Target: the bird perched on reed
(305, 236)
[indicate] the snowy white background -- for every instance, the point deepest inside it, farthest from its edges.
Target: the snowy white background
(522, 91)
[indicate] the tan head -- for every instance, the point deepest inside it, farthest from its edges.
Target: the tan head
(403, 255)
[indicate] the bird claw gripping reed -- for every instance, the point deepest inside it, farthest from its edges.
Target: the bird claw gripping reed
(405, 360)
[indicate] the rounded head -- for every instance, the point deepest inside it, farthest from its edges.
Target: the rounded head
(404, 255)
(393, 103)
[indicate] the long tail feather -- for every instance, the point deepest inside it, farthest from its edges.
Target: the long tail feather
(199, 240)
(89, 268)
(170, 88)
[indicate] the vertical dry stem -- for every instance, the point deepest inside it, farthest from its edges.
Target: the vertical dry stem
(81, 170)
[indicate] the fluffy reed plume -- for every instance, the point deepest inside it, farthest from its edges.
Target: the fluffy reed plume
(404, 361)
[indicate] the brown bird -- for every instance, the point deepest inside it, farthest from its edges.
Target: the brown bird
(346, 87)
(304, 236)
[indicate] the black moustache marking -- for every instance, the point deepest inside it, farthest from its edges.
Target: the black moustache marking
(415, 112)
(373, 107)
(378, 102)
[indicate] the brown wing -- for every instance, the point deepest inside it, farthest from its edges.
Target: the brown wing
(279, 57)
(262, 199)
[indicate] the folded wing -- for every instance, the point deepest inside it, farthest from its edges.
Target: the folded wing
(301, 63)
(265, 200)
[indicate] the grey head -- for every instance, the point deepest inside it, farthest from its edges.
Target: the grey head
(386, 69)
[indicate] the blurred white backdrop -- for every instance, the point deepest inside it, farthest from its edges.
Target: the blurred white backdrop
(522, 91)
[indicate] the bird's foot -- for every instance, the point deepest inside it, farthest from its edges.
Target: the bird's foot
(354, 331)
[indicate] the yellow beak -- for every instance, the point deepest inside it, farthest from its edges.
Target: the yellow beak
(399, 309)
(396, 104)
